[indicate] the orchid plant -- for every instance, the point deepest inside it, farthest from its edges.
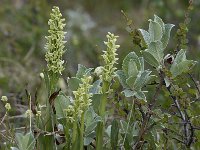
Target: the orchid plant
(151, 108)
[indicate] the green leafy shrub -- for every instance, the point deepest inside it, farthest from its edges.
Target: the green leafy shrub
(137, 119)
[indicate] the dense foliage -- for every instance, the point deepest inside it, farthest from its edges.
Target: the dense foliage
(150, 102)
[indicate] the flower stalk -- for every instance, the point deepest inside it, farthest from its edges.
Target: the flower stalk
(108, 70)
(76, 111)
(55, 47)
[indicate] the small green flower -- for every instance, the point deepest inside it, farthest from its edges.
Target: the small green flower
(4, 98)
(109, 57)
(70, 113)
(82, 99)
(55, 42)
(8, 107)
(82, 96)
(39, 113)
(42, 75)
(98, 71)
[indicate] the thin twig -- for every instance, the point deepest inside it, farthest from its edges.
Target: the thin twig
(128, 124)
(3, 118)
(196, 86)
(180, 141)
(148, 115)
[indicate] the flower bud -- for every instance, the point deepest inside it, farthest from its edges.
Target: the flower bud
(7, 106)
(4, 98)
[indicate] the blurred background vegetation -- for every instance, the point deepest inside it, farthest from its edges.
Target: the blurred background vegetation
(23, 26)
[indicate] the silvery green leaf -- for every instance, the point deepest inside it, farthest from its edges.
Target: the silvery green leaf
(131, 81)
(149, 58)
(89, 116)
(142, 79)
(128, 93)
(95, 89)
(135, 129)
(88, 71)
(89, 138)
(182, 67)
(122, 78)
(166, 35)
(181, 56)
(73, 83)
(132, 68)
(108, 131)
(82, 70)
(25, 142)
(145, 36)
(141, 59)
(90, 128)
(61, 103)
(160, 22)
(126, 61)
(181, 64)
(123, 126)
(96, 99)
(140, 95)
(156, 49)
(155, 31)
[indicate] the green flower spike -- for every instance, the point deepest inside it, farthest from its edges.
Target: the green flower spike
(82, 96)
(82, 99)
(70, 112)
(109, 57)
(55, 42)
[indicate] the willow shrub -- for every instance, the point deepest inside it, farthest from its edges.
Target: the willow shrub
(154, 108)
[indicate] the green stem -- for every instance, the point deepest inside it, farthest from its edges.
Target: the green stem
(67, 136)
(82, 131)
(53, 81)
(74, 135)
(102, 108)
(105, 88)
